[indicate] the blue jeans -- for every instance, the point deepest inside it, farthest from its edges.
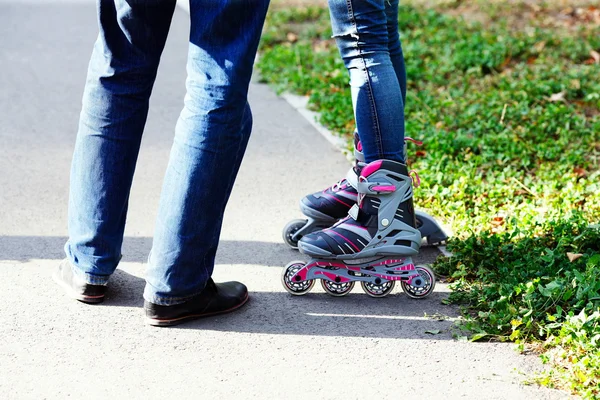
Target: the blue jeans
(210, 139)
(366, 32)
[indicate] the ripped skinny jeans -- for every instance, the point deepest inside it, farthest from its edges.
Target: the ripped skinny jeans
(366, 33)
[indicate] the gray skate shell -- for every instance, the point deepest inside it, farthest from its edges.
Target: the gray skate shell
(383, 244)
(430, 229)
(370, 273)
(314, 214)
(316, 220)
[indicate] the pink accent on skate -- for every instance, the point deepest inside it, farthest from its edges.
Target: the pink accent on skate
(409, 139)
(330, 264)
(301, 273)
(371, 168)
(333, 276)
(340, 188)
(343, 237)
(359, 146)
(338, 200)
(386, 189)
(390, 261)
(406, 277)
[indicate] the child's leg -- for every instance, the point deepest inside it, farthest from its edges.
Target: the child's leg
(360, 28)
(394, 45)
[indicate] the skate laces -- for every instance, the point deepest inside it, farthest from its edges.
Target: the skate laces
(413, 173)
(338, 185)
(415, 141)
(415, 178)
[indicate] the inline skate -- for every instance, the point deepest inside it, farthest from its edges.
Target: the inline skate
(373, 245)
(325, 208)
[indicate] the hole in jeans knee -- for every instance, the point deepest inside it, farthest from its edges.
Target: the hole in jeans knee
(349, 34)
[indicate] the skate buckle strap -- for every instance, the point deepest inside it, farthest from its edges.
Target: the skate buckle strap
(415, 178)
(353, 212)
(366, 187)
(379, 188)
(415, 141)
(352, 178)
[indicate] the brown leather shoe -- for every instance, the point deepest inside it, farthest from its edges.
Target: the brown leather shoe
(216, 298)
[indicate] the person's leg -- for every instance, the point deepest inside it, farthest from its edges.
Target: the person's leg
(120, 77)
(360, 28)
(210, 141)
(395, 46)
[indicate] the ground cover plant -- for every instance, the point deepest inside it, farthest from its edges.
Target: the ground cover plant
(507, 102)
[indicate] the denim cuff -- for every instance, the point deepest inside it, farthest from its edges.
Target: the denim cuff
(151, 296)
(90, 279)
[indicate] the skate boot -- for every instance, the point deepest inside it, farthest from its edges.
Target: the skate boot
(373, 245)
(430, 230)
(323, 209)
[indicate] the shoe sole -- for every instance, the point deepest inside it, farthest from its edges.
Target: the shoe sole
(191, 317)
(74, 295)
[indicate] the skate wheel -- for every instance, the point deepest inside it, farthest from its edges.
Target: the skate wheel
(292, 286)
(337, 289)
(290, 230)
(419, 290)
(378, 289)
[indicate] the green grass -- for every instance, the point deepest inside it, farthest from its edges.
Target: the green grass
(510, 117)
(523, 287)
(537, 162)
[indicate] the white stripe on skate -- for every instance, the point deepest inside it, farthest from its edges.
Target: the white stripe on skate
(397, 317)
(363, 233)
(347, 195)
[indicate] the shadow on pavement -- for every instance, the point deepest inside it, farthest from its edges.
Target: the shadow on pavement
(355, 315)
(315, 314)
(275, 313)
(136, 249)
(125, 290)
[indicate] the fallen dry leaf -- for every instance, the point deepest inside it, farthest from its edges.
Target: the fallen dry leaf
(557, 97)
(574, 256)
(292, 37)
(595, 55)
(580, 172)
(498, 220)
(575, 84)
(539, 46)
(567, 11)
